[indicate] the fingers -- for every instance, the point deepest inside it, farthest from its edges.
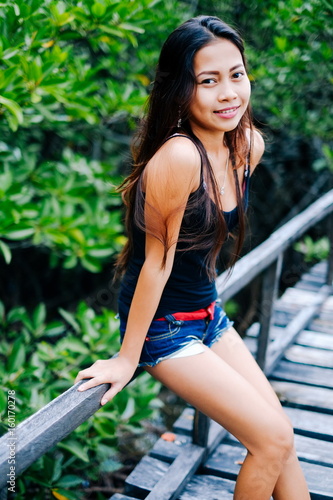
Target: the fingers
(111, 393)
(91, 383)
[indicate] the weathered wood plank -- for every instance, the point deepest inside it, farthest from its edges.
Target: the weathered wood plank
(310, 338)
(277, 348)
(169, 450)
(38, 433)
(309, 355)
(329, 274)
(160, 480)
(307, 286)
(316, 278)
(321, 325)
(314, 450)
(145, 476)
(208, 488)
(119, 496)
(302, 373)
(304, 396)
(307, 337)
(179, 474)
(311, 423)
(200, 431)
(267, 252)
(184, 422)
(268, 296)
(226, 461)
(308, 449)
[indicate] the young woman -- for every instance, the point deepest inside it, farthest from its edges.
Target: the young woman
(193, 158)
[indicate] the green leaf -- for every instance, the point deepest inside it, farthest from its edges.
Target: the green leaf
(15, 110)
(112, 31)
(17, 356)
(70, 319)
(100, 252)
(62, 494)
(98, 9)
(6, 180)
(72, 344)
(19, 234)
(54, 328)
(4, 248)
(281, 43)
(2, 311)
(91, 265)
(3, 401)
(69, 481)
(76, 449)
(39, 315)
(131, 27)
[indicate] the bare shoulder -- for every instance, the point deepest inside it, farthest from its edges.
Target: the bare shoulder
(258, 148)
(177, 159)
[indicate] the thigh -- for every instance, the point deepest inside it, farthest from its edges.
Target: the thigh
(232, 349)
(214, 387)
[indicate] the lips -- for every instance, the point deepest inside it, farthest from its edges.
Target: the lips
(227, 110)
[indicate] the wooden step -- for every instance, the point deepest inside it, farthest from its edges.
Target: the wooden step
(303, 374)
(227, 459)
(311, 423)
(309, 449)
(304, 396)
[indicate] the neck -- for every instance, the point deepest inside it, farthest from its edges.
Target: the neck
(213, 143)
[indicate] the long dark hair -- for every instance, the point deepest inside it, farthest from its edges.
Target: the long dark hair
(170, 99)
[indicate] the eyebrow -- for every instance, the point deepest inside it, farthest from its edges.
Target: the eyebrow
(217, 72)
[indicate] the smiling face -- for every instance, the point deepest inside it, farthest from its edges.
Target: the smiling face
(222, 90)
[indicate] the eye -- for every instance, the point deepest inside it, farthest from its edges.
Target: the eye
(238, 75)
(207, 81)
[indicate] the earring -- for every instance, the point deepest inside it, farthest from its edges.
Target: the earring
(179, 122)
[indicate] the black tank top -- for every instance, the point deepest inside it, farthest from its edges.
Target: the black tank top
(188, 287)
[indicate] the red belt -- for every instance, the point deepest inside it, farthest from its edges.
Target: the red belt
(199, 314)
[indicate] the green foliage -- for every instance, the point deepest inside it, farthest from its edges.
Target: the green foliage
(67, 206)
(69, 72)
(231, 308)
(66, 61)
(39, 361)
(313, 251)
(295, 67)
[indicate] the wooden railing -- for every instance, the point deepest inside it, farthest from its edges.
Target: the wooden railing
(40, 432)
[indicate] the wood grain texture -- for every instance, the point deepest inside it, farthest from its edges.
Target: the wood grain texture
(225, 462)
(302, 373)
(303, 396)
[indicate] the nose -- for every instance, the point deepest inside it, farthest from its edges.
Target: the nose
(227, 92)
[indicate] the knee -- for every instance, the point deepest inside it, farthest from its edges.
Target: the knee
(276, 443)
(280, 444)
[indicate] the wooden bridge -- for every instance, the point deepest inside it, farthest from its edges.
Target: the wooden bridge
(293, 343)
(304, 381)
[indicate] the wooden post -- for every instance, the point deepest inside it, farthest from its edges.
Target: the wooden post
(269, 293)
(201, 424)
(329, 280)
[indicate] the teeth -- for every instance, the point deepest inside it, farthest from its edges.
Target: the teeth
(227, 111)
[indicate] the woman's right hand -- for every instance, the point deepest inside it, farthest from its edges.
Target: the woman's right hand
(115, 371)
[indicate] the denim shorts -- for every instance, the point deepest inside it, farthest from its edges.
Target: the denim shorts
(168, 336)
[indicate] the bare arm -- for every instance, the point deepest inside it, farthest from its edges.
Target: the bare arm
(171, 175)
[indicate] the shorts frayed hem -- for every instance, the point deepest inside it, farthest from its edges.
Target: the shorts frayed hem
(172, 355)
(220, 334)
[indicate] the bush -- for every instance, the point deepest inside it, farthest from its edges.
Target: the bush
(39, 361)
